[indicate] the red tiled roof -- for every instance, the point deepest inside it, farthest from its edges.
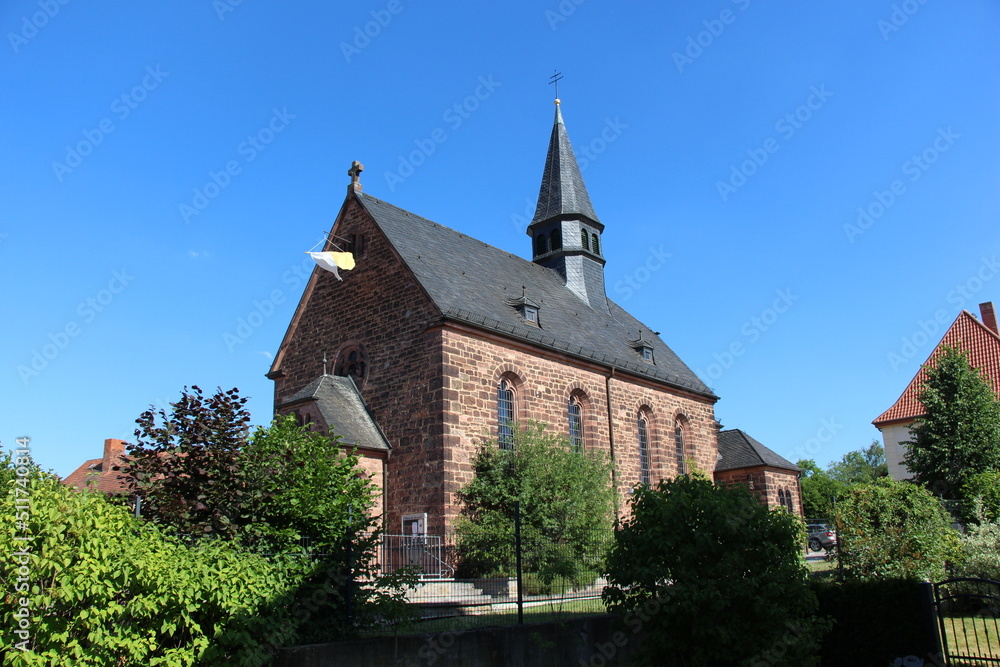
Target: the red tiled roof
(92, 476)
(966, 333)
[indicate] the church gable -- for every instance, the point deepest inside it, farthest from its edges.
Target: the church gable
(357, 324)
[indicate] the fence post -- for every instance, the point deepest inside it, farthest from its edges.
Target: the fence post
(517, 558)
(928, 612)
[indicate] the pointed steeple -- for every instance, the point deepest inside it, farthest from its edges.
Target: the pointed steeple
(563, 191)
(565, 232)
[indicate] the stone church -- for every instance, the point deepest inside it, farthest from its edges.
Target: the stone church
(437, 343)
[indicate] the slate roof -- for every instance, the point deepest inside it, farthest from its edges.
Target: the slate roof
(562, 191)
(93, 475)
(472, 282)
(966, 332)
(344, 410)
(739, 450)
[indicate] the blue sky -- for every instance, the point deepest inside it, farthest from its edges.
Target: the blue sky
(799, 196)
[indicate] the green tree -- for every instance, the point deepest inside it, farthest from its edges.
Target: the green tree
(820, 491)
(892, 529)
(184, 464)
(305, 489)
(712, 577)
(566, 504)
(860, 466)
(959, 436)
(982, 490)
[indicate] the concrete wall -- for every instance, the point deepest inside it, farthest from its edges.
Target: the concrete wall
(588, 642)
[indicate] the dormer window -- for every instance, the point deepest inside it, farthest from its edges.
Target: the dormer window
(647, 354)
(526, 307)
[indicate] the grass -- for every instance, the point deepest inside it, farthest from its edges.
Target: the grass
(972, 635)
(550, 611)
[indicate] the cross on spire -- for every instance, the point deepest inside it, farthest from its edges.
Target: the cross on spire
(555, 79)
(355, 173)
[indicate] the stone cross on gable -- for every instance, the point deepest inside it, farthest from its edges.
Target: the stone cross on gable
(355, 173)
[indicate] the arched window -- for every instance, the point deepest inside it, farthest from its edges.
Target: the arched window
(352, 362)
(555, 239)
(789, 503)
(643, 424)
(679, 447)
(575, 424)
(541, 244)
(585, 239)
(781, 499)
(595, 245)
(505, 414)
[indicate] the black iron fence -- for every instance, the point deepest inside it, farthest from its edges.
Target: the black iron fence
(501, 574)
(968, 616)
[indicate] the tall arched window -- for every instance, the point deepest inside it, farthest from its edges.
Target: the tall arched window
(595, 245)
(789, 503)
(555, 239)
(585, 239)
(781, 499)
(575, 424)
(505, 415)
(643, 424)
(679, 447)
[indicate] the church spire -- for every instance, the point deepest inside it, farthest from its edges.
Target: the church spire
(563, 191)
(565, 232)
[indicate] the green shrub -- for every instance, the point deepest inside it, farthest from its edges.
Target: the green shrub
(712, 577)
(894, 530)
(105, 589)
(980, 553)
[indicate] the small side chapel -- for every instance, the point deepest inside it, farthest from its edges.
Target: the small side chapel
(436, 343)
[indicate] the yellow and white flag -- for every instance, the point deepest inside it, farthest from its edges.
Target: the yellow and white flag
(331, 261)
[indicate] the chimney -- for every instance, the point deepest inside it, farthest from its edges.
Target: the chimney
(989, 316)
(113, 449)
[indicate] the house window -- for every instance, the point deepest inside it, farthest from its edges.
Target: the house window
(595, 245)
(531, 315)
(679, 446)
(647, 354)
(585, 239)
(505, 415)
(555, 239)
(643, 449)
(575, 424)
(541, 245)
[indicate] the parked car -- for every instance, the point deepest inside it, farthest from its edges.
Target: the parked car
(821, 536)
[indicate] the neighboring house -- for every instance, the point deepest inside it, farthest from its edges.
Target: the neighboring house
(773, 479)
(451, 341)
(981, 339)
(99, 474)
